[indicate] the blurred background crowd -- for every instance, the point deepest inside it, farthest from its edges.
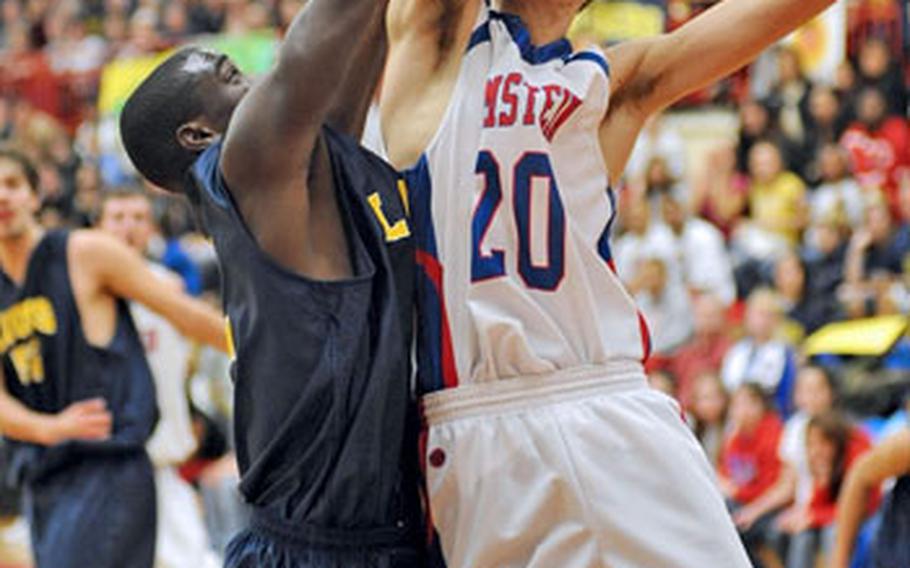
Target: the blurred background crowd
(792, 215)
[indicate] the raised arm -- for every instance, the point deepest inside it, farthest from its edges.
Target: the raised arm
(274, 130)
(650, 74)
(120, 271)
(891, 458)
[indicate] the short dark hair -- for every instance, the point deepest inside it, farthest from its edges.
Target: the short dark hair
(24, 162)
(165, 100)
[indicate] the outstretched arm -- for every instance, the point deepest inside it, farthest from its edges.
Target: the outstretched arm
(650, 74)
(891, 458)
(119, 270)
(273, 132)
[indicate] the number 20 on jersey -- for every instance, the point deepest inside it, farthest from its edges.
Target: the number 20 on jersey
(492, 264)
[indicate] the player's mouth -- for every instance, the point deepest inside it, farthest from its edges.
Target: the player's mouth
(6, 215)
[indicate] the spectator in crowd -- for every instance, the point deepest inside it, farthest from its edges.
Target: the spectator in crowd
(832, 447)
(875, 258)
(759, 357)
(824, 254)
(720, 192)
(878, 69)
(815, 395)
(838, 190)
(790, 97)
(656, 141)
(827, 123)
(708, 414)
(699, 246)
(889, 459)
(749, 464)
(777, 206)
(705, 351)
(665, 303)
(804, 310)
(879, 146)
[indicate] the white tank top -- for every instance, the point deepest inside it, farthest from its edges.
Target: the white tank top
(512, 211)
(168, 353)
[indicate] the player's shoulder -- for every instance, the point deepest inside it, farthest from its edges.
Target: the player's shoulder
(92, 248)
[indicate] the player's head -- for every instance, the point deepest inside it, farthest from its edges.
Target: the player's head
(19, 199)
(126, 213)
(178, 111)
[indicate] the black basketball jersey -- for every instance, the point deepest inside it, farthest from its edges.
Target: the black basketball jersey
(48, 364)
(323, 412)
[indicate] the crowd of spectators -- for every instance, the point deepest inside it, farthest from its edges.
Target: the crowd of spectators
(799, 219)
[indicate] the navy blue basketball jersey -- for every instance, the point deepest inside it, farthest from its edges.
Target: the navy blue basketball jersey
(48, 364)
(324, 418)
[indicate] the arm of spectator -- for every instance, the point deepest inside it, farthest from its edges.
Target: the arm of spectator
(82, 420)
(779, 495)
(854, 264)
(121, 271)
(889, 459)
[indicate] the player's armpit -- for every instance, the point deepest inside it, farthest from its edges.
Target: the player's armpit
(121, 271)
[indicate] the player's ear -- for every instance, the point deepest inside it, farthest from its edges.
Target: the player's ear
(195, 136)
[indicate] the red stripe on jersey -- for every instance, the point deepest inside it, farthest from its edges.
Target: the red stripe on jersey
(645, 337)
(434, 271)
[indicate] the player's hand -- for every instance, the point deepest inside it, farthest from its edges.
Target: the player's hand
(83, 420)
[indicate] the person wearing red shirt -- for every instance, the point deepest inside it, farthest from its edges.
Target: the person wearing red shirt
(879, 147)
(749, 462)
(704, 353)
(833, 446)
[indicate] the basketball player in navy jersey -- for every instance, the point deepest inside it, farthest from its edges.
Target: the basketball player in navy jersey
(317, 268)
(529, 345)
(77, 394)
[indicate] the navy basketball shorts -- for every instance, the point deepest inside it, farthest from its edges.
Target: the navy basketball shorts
(99, 512)
(258, 547)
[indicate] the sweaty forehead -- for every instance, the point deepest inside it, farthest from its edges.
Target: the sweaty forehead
(200, 61)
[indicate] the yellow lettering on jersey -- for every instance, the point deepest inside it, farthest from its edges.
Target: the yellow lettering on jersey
(403, 192)
(394, 232)
(24, 319)
(26, 359)
(229, 333)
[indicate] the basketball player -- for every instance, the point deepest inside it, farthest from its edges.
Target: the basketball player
(317, 268)
(182, 541)
(76, 390)
(545, 447)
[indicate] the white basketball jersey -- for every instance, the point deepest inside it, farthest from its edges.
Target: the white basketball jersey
(167, 352)
(512, 211)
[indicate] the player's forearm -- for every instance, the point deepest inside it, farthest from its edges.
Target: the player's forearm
(851, 509)
(197, 320)
(723, 39)
(355, 95)
(19, 422)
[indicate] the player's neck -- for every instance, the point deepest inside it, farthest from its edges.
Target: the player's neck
(547, 20)
(16, 251)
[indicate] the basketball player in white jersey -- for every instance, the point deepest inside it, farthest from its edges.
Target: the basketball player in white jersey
(182, 541)
(545, 447)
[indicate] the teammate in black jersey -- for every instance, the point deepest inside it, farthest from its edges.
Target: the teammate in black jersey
(317, 268)
(76, 395)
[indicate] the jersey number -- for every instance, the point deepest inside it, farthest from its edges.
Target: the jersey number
(492, 264)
